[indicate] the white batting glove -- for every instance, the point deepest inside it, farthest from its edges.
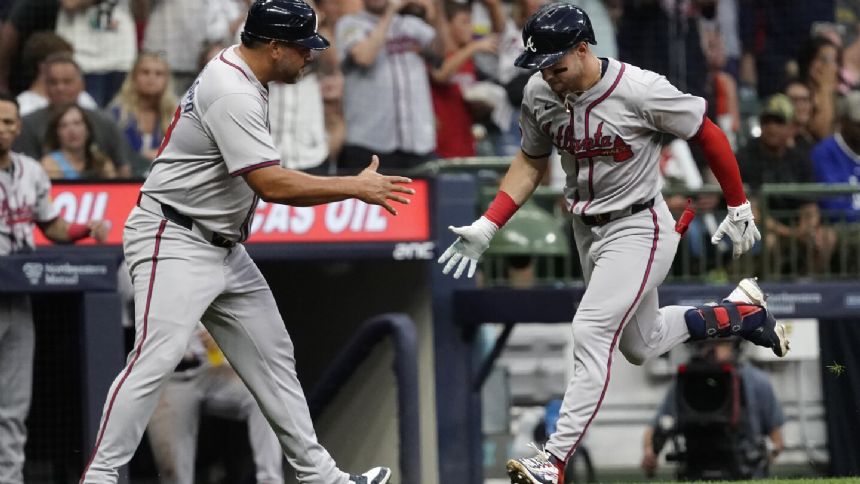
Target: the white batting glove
(473, 240)
(739, 225)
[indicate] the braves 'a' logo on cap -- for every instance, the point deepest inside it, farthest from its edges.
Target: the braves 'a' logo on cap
(530, 45)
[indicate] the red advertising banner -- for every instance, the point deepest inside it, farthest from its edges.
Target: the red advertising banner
(346, 221)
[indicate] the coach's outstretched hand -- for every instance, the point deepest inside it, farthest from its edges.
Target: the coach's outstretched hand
(473, 240)
(99, 230)
(378, 189)
(739, 225)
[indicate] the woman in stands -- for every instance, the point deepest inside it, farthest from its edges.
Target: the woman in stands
(72, 151)
(144, 107)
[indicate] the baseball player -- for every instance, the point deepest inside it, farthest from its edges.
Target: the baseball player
(606, 119)
(24, 202)
(183, 245)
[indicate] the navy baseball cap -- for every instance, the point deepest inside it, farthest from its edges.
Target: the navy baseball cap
(291, 21)
(551, 32)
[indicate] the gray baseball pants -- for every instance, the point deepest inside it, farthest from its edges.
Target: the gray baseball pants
(623, 263)
(17, 341)
(180, 279)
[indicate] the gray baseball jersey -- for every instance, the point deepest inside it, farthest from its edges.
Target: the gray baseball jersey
(609, 137)
(25, 198)
(220, 131)
(387, 106)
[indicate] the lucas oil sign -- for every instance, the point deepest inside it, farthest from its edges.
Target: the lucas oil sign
(345, 221)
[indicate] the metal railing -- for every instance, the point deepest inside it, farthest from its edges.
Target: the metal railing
(803, 236)
(401, 329)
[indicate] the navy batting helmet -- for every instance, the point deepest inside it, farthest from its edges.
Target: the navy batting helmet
(291, 21)
(550, 32)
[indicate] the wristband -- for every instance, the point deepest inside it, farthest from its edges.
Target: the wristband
(77, 232)
(501, 209)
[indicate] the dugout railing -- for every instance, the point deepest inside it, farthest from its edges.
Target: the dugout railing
(401, 330)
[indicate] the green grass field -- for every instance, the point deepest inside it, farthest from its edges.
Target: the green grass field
(822, 480)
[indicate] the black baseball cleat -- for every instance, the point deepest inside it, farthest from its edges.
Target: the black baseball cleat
(377, 475)
(769, 334)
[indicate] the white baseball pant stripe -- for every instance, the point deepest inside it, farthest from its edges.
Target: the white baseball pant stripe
(623, 263)
(117, 385)
(224, 289)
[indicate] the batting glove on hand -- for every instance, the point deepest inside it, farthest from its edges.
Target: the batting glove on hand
(473, 240)
(739, 225)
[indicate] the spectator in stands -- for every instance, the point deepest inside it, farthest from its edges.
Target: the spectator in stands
(512, 78)
(818, 66)
(105, 40)
(450, 80)
(772, 34)
(387, 105)
(331, 79)
(144, 108)
(178, 29)
(297, 118)
(850, 75)
(331, 89)
(724, 22)
(764, 416)
(25, 202)
(39, 47)
(486, 99)
(64, 85)
(662, 36)
(602, 24)
(328, 13)
(791, 221)
(801, 99)
(229, 18)
(837, 160)
(721, 89)
(72, 153)
(511, 46)
(26, 17)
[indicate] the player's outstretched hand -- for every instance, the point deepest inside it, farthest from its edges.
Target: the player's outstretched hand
(378, 189)
(739, 225)
(99, 229)
(473, 240)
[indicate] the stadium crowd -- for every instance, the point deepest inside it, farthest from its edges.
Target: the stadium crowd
(415, 80)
